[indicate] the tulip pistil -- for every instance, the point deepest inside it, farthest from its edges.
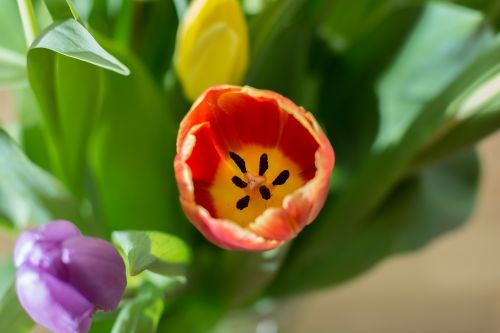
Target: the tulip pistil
(254, 182)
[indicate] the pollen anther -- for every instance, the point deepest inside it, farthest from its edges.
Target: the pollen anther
(281, 178)
(263, 164)
(243, 202)
(253, 182)
(239, 182)
(265, 193)
(240, 162)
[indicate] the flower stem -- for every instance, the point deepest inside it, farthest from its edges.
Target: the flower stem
(28, 19)
(73, 10)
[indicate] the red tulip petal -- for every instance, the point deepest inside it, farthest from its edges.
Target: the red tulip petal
(226, 120)
(224, 233)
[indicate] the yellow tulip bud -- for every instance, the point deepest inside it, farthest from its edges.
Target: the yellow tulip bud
(212, 46)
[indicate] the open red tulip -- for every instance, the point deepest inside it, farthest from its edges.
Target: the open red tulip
(252, 167)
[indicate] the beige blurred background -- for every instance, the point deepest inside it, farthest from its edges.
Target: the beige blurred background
(451, 286)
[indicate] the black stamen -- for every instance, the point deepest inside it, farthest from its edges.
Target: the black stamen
(263, 164)
(265, 193)
(239, 182)
(282, 178)
(240, 162)
(243, 202)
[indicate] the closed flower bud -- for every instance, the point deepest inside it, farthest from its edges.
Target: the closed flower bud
(63, 278)
(212, 45)
(253, 169)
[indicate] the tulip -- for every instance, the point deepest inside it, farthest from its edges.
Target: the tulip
(252, 167)
(63, 278)
(212, 45)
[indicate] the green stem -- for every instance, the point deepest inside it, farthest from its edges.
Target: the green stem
(28, 19)
(124, 24)
(73, 10)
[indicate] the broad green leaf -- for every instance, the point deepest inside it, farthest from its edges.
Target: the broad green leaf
(70, 108)
(446, 39)
(11, 312)
(419, 209)
(132, 154)
(142, 314)
(472, 116)
(65, 51)
(382, 169)
(28, 195)
(154, 251)
(347, 104)
(71, 39)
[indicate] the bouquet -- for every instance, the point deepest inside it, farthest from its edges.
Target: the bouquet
(169, 165)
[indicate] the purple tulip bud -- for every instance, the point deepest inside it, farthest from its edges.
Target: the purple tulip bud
(63, 278)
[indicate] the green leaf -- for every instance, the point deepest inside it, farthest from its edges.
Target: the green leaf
(71, 39)
(384, 166)
(472, 116)
(154, 251)
(142, 314)
(11, 311)
(28, 195)
(132, 154)
(417, 211)
(348, 82)
(70, 107)
(445, 41)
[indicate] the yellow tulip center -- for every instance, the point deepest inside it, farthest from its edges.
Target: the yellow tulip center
(252, 180)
